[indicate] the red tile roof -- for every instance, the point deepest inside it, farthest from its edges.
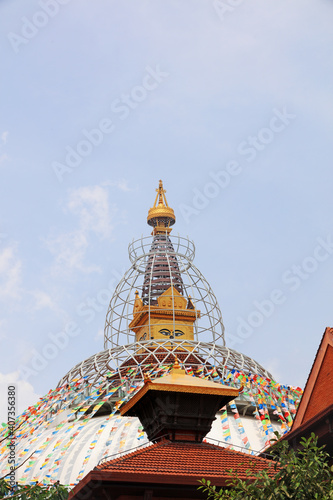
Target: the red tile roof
(185, 459)
(170, 464)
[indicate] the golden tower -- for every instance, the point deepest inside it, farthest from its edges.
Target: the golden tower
(163, 312)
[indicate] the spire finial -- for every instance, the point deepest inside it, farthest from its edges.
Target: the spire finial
(161, 216)
(161, 195)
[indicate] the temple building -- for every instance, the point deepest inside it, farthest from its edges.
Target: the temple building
(176, 411)
(315, 411)
(162, 310)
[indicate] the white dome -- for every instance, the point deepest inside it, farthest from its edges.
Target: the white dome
(71, 429)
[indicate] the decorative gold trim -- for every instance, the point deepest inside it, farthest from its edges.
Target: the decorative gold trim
(161, 211)
(160, 313)
(185, 389)
(179, 382)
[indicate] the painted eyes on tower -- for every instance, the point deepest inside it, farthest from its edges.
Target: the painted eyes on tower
(144, 336)
(169, 333)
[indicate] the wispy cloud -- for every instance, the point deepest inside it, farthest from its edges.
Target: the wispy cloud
(10, 274)
(121, 185)
(99, 335)
(3, 142)
(91, 205)
(3, 334)
(95, 216)
(25, 393)
(69, 252)
(3, 158)
(273, 365)
(4, 137)
(14, 294)
(42, 300)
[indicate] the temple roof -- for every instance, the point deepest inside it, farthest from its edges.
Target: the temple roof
(172, 464)
(193, 459)
(315, 411)
(178, 381)
(317, 395)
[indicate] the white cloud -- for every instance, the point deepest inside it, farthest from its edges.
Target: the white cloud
(99, 335)
(4, 137)
(12, 289)
(3, 334)
(43, 300)
(121, 184)
(69, 250)
(3, 142)
(95, 215)
(273, 365)
(91, 204)
(10, 274)
(25, 394)
(3, 158)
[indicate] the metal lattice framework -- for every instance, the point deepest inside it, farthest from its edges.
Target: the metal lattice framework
(163, 309)
(159, 262)
(149, 256)
(143, 355)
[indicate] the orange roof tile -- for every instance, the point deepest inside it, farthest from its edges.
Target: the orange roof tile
(185, 459)
(169, 464)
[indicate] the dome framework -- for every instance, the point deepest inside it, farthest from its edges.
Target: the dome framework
(145, 255)
(189, 325)
(163, 309)
(142, 356)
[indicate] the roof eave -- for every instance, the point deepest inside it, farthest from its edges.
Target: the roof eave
(150, 386)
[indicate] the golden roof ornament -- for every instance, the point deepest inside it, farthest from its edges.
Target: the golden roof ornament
(176, 365)
(161, 216)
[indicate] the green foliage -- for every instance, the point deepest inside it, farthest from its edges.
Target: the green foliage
(301, 475)
(33, 492)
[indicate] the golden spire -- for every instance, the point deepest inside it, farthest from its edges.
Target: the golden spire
(161, 216)
(161, 195)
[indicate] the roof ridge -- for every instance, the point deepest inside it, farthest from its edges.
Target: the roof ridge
(313, 375)
(130, 454)
(145, 449)
(171, 444)
(256, 457)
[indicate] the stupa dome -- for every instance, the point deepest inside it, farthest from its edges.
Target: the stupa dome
(162, 269)
(162, 310)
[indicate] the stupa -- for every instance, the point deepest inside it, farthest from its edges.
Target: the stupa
(163, 309)
(163, 306)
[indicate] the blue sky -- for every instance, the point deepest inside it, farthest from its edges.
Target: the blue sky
(230, 103)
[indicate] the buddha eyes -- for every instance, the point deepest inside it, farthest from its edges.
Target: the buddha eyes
(168, 333)
(165, 332)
